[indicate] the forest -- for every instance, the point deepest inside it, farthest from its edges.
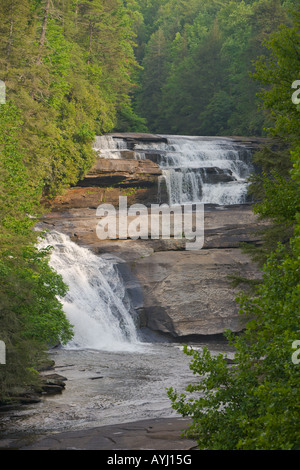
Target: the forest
(74, 69)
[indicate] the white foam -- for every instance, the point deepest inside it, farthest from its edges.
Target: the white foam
(96, 304)
(181, 158)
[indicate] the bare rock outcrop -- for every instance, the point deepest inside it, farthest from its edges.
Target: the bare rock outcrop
(180, 293)
(189, 294)
(123, 172)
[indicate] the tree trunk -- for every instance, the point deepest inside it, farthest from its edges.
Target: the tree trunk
(90, 42)
(43, 34)
(10, 38)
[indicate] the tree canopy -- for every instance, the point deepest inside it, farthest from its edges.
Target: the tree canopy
(197, 57)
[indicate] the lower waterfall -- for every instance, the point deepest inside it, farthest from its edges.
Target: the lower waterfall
(96, 303)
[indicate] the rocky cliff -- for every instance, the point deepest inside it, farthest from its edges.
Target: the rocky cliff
(176, 292)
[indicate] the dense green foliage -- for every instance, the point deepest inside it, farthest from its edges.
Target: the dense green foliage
(68, 69)
(254, 404)
(67, 66)
(31, 317)
(197, 56)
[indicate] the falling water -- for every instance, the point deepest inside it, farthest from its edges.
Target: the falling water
(96, 303)
(195, 169)
(109, 147)
(212, 171)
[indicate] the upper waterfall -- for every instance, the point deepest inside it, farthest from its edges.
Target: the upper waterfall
(211, 170)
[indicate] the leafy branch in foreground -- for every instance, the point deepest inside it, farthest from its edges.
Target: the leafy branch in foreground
(253, 404)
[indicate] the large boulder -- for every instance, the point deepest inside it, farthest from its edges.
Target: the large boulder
(190, 293)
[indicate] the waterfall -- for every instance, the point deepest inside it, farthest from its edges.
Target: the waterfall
(211, 170)
(96, 303)
(109, 147)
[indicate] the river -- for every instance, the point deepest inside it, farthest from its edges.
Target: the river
(105, 388)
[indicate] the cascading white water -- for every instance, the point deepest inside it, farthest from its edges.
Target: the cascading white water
(186, 170)
(96, 303)
(109, 147)
(195, 169)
